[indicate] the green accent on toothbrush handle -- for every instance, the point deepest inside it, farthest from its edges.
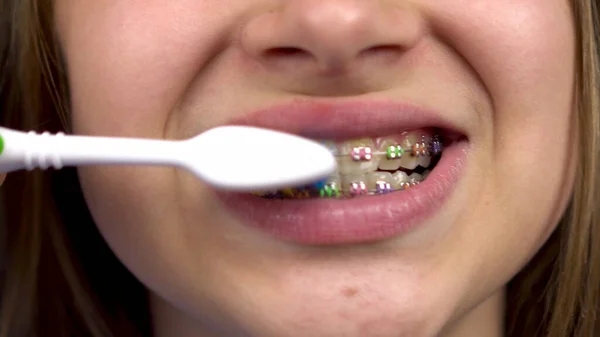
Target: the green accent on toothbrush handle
(1, 144)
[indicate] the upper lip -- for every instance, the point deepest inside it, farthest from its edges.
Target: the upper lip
(346, 120)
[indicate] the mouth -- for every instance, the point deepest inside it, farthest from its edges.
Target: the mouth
(369, 167)
(384, 186)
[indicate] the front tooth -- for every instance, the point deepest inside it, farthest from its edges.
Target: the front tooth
(374, 177)
(399, 179)
(348, 179)
(354, 184)
(380, 182)
(346, 148)
(347, 164)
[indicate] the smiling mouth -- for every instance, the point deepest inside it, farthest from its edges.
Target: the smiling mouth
(398, 164)
(375, 166)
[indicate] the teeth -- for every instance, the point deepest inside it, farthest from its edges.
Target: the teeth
(380, 182)
(410, 140)
(375, 177)
(332, 187)
(355, 185)
(348, 166)
(436, 146)
(424, 161)
(399, 179)
(413, 152)
(348, 163)
(384, 163)
(409, 161)
(359, 161)
(334, 179)
(415, 178)
(331, 146)
(349, 179)
(389, 165)
(346, 148)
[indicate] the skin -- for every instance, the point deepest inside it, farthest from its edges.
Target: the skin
(503, 70)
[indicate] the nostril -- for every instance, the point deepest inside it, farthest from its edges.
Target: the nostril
(286, 57)
(286, 53)
(385, 52)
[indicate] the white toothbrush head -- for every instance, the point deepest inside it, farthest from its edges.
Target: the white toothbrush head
(248, 159)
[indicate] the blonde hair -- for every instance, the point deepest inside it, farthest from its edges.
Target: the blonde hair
(63, 280)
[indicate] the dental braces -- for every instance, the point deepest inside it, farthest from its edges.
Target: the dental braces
(396, 151)
(381, 187)
(332, 190)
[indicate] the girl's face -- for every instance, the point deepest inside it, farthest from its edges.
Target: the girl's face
(495, 77)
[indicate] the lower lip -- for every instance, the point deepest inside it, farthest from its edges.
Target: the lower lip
(352, 221)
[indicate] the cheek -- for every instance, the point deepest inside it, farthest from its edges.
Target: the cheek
(513, 42)
(525, 60)
(129, 62)
(522, 55)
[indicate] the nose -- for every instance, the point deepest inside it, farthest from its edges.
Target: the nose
(330, 36)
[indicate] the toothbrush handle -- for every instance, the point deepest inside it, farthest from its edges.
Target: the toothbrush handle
(21, 150)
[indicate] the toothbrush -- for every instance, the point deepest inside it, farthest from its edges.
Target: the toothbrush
(235, 158)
